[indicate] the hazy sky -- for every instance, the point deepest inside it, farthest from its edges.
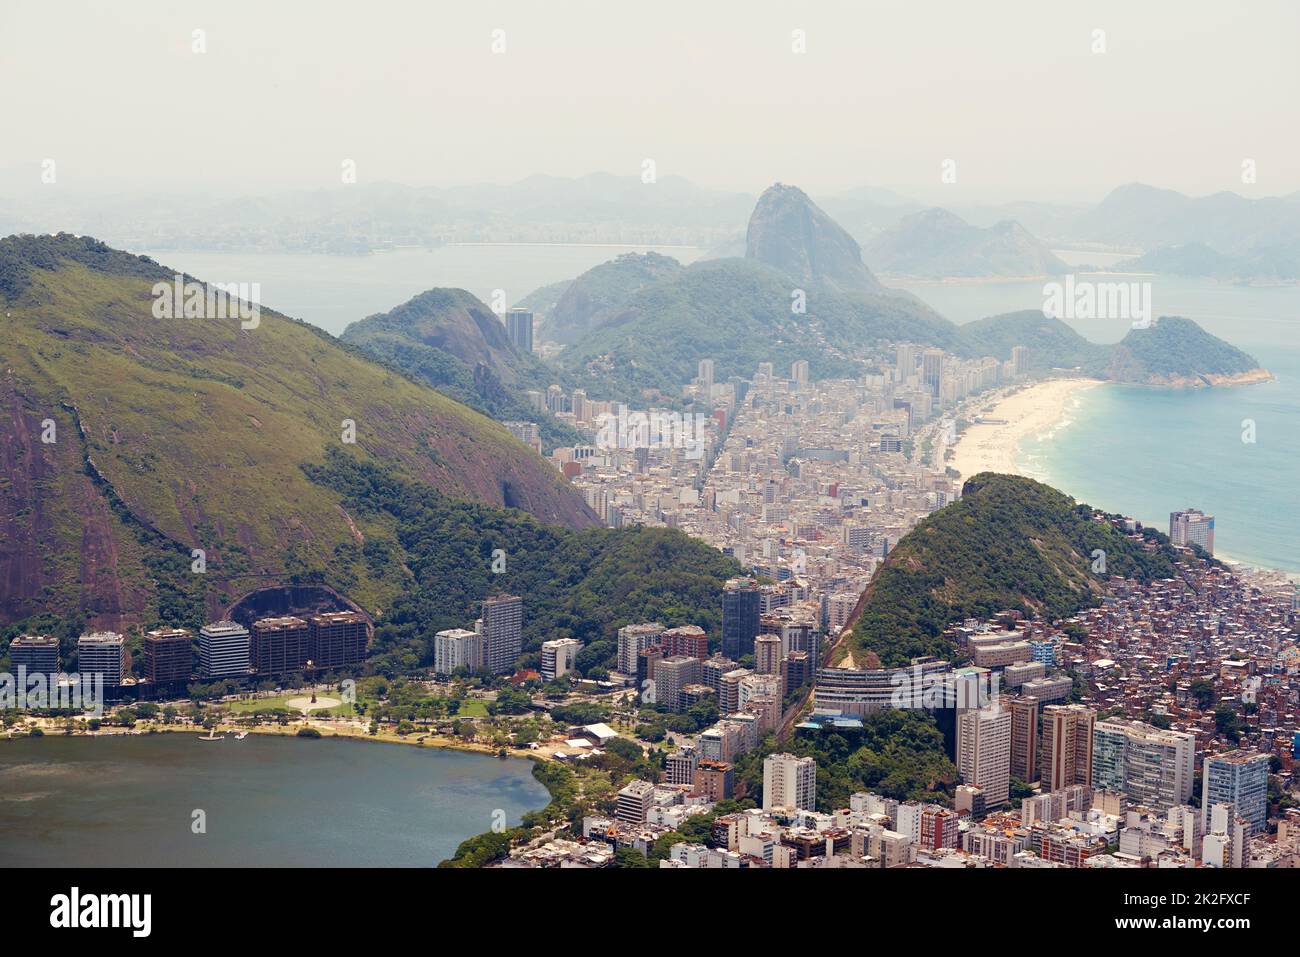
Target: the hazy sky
(708, 89)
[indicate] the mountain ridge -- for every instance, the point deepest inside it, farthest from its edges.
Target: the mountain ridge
(180, 434)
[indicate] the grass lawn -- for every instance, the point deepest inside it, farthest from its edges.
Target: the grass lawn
(282, 701)
(473, 708)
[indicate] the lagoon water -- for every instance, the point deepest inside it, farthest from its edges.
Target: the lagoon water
(269, 801)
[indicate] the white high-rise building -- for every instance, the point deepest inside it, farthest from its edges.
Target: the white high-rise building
(984, 752)
(223, 651)
(1191, 526)
(906, 361)
(634, 639)
(789, 781)
(457, 648)
(706, 375)
(559, 657)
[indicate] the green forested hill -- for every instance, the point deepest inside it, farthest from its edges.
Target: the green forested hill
(1174, 350)
(739, 313)
(583, 584)
(1008, 543)
(1052, 344)
(450, 340)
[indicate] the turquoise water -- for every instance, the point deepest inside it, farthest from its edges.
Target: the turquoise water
(268, 801)
(1146, 452)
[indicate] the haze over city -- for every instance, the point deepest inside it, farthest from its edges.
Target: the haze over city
(728, 435)
(883, 94)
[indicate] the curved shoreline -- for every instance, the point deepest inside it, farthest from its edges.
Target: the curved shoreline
(1041, 408)
(995, 446)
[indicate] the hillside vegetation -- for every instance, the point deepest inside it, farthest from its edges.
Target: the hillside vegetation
(581, 584)
(450, 340)
(181, 434)
(1008, 543)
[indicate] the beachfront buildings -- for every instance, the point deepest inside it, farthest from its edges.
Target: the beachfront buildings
(337, 639)
(1191, 526)
(279, 645)
(168, 655)
(37, 654)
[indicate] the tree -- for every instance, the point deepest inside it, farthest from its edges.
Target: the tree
(1202, 689)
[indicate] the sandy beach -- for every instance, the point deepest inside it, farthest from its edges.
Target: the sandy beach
(1028, 411)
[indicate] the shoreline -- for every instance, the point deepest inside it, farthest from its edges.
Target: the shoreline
(1042, 407)
(52, 728)
(995, 447)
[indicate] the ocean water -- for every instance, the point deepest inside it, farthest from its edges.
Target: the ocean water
(1147, 452)
(333, 291)
(268, 801)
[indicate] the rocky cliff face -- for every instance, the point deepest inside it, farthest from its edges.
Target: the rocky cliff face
(788, 231)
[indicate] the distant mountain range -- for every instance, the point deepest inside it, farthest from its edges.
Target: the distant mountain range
(1150, 218)
(1262, 235)
(1280, 263)
(937, 244)
(645, 335)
